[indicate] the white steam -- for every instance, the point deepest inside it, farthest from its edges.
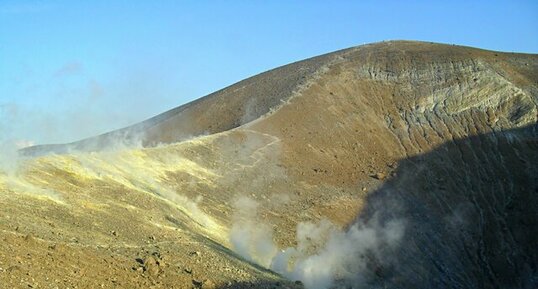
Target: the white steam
(252, 239)
(325, 255)
(9, 157)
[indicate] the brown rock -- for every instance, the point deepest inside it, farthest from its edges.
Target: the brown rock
(151, 266)
(380, 176)
(208, 284)
(197, 283)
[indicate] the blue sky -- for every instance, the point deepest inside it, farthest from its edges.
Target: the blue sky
(72, 69)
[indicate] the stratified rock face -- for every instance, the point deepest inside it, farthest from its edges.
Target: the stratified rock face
(442, 139)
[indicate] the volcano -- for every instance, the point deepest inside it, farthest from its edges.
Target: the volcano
(398, 164)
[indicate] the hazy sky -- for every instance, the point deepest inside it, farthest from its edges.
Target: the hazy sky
(72, 69)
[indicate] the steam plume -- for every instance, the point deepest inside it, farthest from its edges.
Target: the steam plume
(325, 255)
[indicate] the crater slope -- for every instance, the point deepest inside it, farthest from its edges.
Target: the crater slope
(421, 157)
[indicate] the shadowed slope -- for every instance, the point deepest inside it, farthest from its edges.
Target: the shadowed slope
(470, 215)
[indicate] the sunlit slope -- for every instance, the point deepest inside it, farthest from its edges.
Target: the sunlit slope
(232, 106)
(89, 210)
(384, 102)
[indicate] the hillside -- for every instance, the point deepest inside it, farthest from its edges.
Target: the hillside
(393, 165)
